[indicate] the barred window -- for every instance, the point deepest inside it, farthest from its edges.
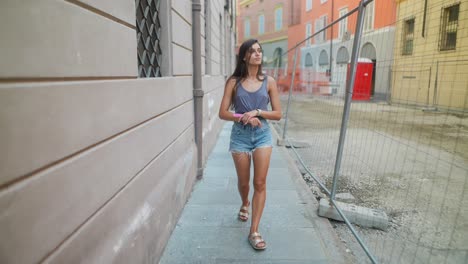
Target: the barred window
(148, 29)
(408, 37)
(449, 26)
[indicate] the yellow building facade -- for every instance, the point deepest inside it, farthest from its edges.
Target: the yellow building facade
(431, 54)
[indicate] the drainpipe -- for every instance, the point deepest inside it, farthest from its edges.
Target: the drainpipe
(331, 42)
(424, 19)
(207, 37)
(197, 87)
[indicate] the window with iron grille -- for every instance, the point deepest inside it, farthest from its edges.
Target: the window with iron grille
(148, 28)
(448, 27)
(408, 37)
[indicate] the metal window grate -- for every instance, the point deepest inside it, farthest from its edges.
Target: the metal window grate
(449, 25)
(148, 38)
(408, 37)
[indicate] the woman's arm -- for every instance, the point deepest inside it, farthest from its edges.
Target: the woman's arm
(226, 102)
(275, 113)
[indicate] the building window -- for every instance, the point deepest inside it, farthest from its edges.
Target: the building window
(408, 37)
(278, 18)
(261, 24)
(308, 5)
(308, 33)
(343, 26)
(449, 27)
(247, 28)
(369, 17)
(148, 29)
(320, 24)
(308, 60)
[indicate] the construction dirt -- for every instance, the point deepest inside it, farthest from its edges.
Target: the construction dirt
(410, 162)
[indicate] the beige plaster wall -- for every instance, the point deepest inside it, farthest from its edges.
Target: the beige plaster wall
(95, 163)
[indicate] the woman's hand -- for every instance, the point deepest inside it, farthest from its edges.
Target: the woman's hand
(247, 116)
(255, 122)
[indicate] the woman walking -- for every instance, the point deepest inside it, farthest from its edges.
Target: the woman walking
(250, 91)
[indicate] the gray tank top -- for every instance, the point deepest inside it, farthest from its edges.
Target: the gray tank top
(246, 101)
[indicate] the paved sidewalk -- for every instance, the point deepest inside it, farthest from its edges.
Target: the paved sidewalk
(208, 230)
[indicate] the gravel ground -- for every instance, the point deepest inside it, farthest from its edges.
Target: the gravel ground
(410, 163)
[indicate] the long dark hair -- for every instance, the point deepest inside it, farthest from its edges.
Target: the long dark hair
(241, 70)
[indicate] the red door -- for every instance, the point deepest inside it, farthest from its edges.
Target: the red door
(363, 82)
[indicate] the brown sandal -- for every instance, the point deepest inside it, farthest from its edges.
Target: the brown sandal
(254, 239)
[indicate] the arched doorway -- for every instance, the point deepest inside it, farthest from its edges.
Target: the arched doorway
(308, 60)
(368, 51)
(277, 58)
(323, 58)
(342, 57)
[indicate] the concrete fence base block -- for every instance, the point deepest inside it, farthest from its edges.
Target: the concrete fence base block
(345, 197)
(301, 168)
(280, 142)
(297, 144)
(358, 215)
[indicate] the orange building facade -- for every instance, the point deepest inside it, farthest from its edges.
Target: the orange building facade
(325, 72)
(267, 21)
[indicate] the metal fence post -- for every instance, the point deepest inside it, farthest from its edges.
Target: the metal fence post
(345, 119)
(434, 98)
(348, 95)
(347, 106)
(290, 93)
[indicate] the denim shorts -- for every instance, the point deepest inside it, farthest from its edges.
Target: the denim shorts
(245, 138)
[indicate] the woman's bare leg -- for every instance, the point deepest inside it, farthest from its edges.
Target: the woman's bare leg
(261, 159)
(242, 163)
